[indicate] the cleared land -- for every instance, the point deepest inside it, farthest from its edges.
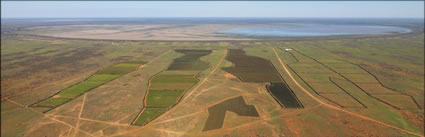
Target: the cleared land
(99, 78)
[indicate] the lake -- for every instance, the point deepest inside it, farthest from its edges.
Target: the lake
(312, 30)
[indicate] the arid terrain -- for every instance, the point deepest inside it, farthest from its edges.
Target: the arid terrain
(109, 79)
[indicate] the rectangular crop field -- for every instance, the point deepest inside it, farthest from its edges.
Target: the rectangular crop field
(162, 98)
(160, 78)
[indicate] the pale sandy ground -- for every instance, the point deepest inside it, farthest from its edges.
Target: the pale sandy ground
(141, 32)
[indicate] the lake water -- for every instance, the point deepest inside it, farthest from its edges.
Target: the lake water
(313, 30)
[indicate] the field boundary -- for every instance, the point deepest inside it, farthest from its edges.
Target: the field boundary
(287, 86)
(330, 100)
(339, 109)
(179, 98)
(354, 83)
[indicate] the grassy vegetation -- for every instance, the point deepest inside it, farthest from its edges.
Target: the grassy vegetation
(161, 98)
(168, 86)
(101, 77)
(171, 86)
(174, 79)
(149, 114)
(343, 100)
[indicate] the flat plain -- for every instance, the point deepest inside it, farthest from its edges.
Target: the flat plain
(351, 86)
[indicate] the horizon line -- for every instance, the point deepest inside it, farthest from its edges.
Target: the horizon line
(212, 17)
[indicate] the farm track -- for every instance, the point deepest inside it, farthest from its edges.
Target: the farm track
(337, 108)
(54, 119)
(93, 120)
(81, 111)
(184, 98)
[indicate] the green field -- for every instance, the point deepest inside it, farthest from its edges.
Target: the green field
(162, 98)
(167, 87)
(149, 114)
(99, 78)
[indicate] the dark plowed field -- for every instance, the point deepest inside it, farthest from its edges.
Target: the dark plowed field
(251, 68)
(284, 95)
(217, 112)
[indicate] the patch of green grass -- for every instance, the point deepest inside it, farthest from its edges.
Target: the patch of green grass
(79, 89)
(130, 65)
(174, 79)
(52, 102)
(149, 114)
(158, 98)
(102, 77)
(170, 86)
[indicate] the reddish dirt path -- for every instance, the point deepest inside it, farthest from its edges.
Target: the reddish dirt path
(51, 118)
(79, 114)
(337, 108)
